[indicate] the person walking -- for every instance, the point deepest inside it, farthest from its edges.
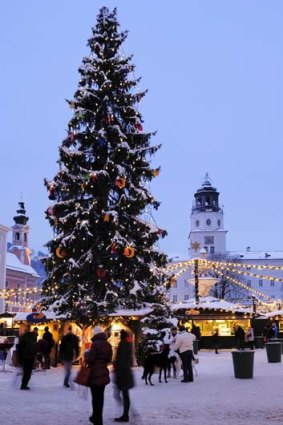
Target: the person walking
(97, 358)
(68, 352)
(184, 344)
(27, 350)
(124, 379)
(48, 344)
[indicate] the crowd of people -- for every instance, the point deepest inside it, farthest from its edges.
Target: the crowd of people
(98, 357)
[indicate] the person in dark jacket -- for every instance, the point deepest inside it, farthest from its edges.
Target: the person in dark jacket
(48, 343)
(123, 373)
(240, 337)
(69, 351)
(97, 358)
(215, 339)
(27, 350)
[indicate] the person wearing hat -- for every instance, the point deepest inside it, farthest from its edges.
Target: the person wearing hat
(27, 352)
(98, 357)
(69, 350)
(123, 373)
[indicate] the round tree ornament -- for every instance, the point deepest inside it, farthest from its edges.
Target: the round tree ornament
(60, 252)
(129, 251)
(120, 182)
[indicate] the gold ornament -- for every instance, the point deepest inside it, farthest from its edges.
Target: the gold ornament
(129, 251)
(60, 252)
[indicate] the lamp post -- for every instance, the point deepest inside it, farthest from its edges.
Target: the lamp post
(196, 272)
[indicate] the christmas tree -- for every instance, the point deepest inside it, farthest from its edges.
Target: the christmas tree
(104, 253)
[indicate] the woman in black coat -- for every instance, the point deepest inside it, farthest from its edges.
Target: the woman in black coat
(123, 373)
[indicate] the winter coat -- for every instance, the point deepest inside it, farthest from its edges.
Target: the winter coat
(184, 342)
(240, 333)
(249, 335)
(48, 342)
(69, 348)
(123, 372)
(98, 357)
(27, 347)
(170, 340)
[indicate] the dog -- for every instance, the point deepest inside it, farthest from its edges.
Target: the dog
(154, 360)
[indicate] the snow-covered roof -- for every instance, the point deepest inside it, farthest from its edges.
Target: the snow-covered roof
(141, 312)
(210, 303)
(13, 263)
(274, 313)
(256, 255)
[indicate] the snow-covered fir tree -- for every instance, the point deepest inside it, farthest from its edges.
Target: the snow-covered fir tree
(104, 252)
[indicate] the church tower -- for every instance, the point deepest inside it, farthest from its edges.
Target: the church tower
(207, 222)
(20, 243)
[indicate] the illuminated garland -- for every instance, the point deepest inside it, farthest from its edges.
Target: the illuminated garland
(248, 288)
(247, 273)
(241, 265)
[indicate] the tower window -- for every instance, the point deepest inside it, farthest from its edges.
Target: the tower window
(25, 237)
(17, 236)
(209, 240)
(219, 223)
(197, 223)
(208, 222)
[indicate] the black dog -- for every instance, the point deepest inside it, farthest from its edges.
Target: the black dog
(156, 360)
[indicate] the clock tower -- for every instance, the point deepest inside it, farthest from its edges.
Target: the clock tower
(207, 222)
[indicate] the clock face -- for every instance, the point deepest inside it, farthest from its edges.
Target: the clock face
(208, 222)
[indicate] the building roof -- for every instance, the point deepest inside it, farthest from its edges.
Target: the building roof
(210, 303)
(256, 255)
(13, 263)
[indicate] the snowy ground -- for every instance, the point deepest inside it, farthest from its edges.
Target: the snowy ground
(214, 398)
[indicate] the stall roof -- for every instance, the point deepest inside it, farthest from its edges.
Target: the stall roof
(210, 303)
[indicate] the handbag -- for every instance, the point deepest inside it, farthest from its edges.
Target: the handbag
(83, 376)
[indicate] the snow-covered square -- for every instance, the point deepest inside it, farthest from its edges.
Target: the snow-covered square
(215, 397)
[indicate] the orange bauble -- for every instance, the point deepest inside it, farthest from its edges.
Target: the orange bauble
(120, 182)
(129, 251)
(60, 252)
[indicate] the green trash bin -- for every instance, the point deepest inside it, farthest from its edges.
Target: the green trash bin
(195, 346)
(273, 351)
(243, 362)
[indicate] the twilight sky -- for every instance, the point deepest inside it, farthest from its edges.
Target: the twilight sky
(214, 70)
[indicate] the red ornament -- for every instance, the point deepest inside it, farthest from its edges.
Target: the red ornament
(100, 272)
(50, 210)
(93, 177)
(108, 119)
(120, 182)
(139, 127)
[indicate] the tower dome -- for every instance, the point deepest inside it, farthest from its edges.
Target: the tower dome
(206, 198)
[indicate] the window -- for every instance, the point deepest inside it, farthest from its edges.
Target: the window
(186, 297)
(249, 283)
(175, 298)
(206, 248)
(208, 222)
(197, 223)
(25, 237)
(218, 223)
(17, 236)
(186, 284)
(209, 240)
(260, 282)
(212, 250)
(272, 283)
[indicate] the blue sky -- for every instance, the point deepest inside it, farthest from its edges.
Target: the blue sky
(214, 70)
